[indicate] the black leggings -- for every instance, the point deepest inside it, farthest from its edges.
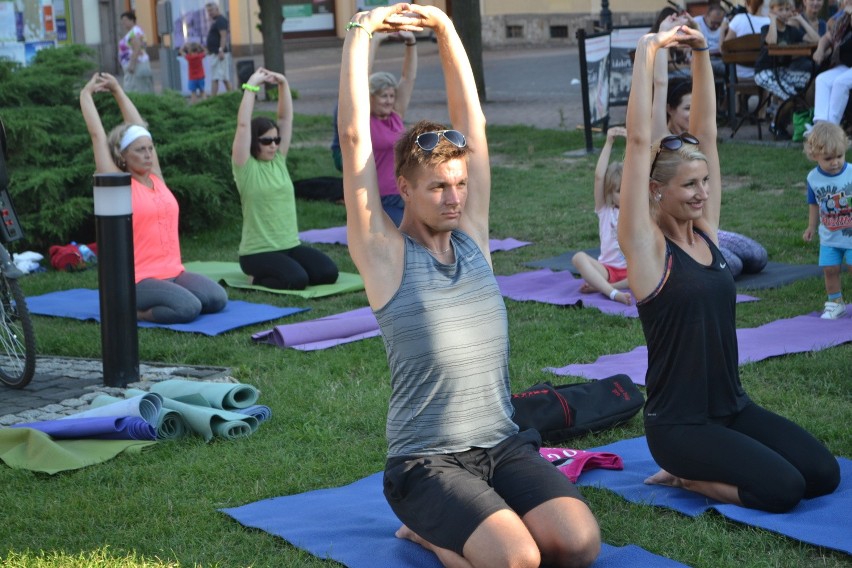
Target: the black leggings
(773, 462)
(291, 269)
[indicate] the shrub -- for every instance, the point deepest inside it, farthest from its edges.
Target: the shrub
(50, 153)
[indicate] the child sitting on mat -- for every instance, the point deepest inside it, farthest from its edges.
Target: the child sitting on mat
(830, 208)
(608, 273)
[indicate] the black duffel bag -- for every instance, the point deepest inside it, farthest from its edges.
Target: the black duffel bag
(566, 411)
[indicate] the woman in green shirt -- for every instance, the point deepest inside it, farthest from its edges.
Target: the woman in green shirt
(270, 251)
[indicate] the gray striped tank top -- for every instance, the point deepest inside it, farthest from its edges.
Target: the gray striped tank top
(446, 336)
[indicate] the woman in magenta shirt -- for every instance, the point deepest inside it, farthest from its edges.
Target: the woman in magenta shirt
(388, 102)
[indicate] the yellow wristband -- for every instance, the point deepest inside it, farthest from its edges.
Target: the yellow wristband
(252, 88)
(351, 25)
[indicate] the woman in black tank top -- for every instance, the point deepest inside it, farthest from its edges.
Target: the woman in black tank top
(702, 429)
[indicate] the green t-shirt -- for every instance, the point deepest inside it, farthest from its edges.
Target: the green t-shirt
(269, 206)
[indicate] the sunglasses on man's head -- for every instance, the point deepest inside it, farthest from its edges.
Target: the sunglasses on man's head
(428, 140)
(672, 143)
(268, 141)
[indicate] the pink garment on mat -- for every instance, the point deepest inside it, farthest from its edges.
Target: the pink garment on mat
(574, 462)
(384, 132)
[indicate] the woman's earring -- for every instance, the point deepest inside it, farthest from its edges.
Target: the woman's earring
(658, 197)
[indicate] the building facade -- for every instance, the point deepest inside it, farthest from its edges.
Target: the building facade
(29, 25)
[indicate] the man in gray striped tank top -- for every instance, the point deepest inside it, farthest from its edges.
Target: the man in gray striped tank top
(464, 482)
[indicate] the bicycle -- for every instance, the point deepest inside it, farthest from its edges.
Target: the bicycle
(17, 337)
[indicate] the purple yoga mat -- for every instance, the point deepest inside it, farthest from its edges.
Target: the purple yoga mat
(496, 245)
(330, 236)
(337, 236)
(323, 332)
(562, 289)
(780, 337)
(95, 428)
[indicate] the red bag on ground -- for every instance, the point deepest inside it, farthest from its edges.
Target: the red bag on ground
(66, 258)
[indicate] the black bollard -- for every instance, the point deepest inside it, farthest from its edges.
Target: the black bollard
(116, 279)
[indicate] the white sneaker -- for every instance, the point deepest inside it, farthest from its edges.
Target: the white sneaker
(833, 310)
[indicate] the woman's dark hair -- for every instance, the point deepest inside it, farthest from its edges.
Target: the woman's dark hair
(678, 88)
(259, 125)
(130, 15)
(662, 15)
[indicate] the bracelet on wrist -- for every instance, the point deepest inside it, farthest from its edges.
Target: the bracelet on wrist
(351, 25)
(252, 88)
(706, 48)
(613, 294)
(411, 43)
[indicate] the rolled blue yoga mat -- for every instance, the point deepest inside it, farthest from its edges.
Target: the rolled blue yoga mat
(95, 428)
(259, 411)
(168, 424)
(145, 405)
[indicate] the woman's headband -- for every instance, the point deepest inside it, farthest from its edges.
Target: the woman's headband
(131, 134)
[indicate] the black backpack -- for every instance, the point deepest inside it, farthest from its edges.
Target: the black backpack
(567, 411)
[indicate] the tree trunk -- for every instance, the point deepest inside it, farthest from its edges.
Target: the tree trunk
(271, 19)
(468, 21)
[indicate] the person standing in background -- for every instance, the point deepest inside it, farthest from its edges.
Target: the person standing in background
(218, 50)
(135, 64)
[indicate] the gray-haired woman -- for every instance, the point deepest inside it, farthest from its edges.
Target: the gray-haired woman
(389, 100)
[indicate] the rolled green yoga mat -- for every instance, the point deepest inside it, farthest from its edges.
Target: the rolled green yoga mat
(169, 424)
(227, 396)
(210, 422)
(25, 448)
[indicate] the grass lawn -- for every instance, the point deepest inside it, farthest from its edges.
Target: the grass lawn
(160, 508)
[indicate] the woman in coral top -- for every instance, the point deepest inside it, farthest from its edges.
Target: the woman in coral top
(165, 292)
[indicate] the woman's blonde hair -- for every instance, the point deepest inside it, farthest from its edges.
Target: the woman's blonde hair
(668, 161)
(612, 181)
(114, 143)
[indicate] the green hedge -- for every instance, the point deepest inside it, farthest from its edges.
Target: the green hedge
(50, 153)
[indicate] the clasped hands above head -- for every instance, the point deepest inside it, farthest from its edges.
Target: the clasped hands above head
(397, 18)
(678, 36)
(263, 75)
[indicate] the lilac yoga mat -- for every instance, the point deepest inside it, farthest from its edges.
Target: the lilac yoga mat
(816, 521)
(780, 337)
(562, 289)
(337, 236)
(84, 304)
(355, 526)
(323, 332)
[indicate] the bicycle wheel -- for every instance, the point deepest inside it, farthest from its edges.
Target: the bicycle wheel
(17, 338)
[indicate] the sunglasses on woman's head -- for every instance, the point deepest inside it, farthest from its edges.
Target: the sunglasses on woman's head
(672, 143)
(268, 141)
(428, 140)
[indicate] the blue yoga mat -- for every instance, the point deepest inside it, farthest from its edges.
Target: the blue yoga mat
(95, 428)
(355, 526)
(823, 521)
(84, 304)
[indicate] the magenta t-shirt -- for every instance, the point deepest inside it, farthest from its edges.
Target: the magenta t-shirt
(384, 133)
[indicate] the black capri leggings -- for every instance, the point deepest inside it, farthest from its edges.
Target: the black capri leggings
(772, 461)
(291, 269)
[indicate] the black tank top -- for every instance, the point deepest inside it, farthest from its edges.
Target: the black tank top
(690, 329)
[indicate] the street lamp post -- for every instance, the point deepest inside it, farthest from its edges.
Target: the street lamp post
(116, 285)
